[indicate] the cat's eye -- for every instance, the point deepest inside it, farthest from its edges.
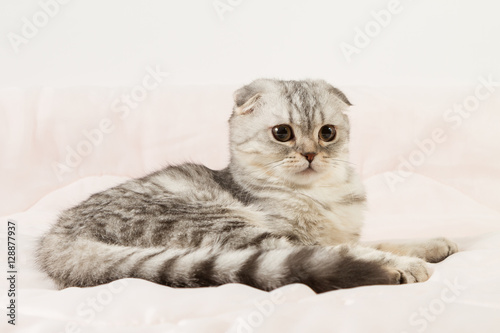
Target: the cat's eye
(283, 133)
(327, 133)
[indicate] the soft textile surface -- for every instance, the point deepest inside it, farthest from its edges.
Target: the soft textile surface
(446, 188)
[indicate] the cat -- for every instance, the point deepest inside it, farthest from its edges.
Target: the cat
(288, 209)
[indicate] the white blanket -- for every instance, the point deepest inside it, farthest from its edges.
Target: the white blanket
(52, 157)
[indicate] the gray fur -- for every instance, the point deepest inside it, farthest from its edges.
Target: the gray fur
(266, 220)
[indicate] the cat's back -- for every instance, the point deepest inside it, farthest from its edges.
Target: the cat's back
(174, 187)
(197, 183)
(167, 202)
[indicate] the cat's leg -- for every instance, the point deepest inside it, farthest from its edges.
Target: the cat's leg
(407, 269)
(431, 250)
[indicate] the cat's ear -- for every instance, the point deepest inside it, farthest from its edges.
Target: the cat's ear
(246, 98)
(248, 106)
(339, 94)
(336, 92)
(242, 95)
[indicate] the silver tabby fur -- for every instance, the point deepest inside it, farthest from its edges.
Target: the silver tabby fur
(269, 219)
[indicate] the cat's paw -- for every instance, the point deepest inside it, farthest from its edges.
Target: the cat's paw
(408, 270)
(438, 249)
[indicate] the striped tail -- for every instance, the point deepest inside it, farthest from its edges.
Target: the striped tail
(84, 262)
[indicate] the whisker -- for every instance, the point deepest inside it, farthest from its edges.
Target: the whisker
(275, 162)
(337, 160)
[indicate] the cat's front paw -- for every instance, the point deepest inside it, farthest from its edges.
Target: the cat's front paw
(438, 249)
(408, 270)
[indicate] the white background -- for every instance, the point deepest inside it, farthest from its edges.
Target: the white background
(92, 42)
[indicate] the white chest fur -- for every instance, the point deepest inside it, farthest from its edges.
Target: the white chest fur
(334, 214)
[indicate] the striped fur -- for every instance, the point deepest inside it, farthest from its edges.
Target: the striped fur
(269, 219)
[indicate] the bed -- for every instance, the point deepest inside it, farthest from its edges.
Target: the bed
(429, 157)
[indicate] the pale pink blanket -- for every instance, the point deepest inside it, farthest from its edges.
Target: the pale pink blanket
(429, 156)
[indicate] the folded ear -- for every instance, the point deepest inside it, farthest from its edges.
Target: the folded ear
(246, 105)
(242, 95)
(339, 94)
(246, 98)
(335, 92)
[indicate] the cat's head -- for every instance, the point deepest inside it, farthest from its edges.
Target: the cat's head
(293, 132)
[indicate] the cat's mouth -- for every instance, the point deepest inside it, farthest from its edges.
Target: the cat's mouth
(307, 171)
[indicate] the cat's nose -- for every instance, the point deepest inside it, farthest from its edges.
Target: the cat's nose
(309, 156)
